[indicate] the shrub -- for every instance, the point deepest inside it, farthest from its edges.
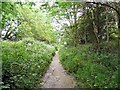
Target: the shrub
(98, 70)
(25, 62)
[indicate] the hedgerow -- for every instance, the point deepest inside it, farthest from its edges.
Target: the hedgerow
(24, 63)
(91, 70)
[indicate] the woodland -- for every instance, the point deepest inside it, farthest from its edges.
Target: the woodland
(85, 34)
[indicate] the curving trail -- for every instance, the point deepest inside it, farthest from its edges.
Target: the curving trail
(56, 76)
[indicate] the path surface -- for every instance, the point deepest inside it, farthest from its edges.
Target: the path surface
(56, 76)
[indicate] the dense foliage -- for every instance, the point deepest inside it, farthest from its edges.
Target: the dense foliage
(24, 63)
(88, 35)
(28, 42)
(92, 70)
(25, 20)
(90, 45)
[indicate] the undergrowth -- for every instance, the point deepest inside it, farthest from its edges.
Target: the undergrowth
(91, 70)
(24, 63)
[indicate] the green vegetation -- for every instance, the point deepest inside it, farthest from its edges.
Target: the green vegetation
(89, 68)
(90, 46)
(25, 62)
(27, 46)
(87, 35)
(25, 21)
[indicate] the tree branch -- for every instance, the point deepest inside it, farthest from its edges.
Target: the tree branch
(103, 4)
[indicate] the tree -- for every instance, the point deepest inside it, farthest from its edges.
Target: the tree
(26, 21)
(116, 8)
(9, 17)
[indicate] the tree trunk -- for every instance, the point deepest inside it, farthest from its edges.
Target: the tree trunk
(107, 31)
(95, 30)
(119, 33)
(75, 27)
(119, 50)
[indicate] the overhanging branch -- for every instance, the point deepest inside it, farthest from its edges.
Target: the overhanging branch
(103, 4)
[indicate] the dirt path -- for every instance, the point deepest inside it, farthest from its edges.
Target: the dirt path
(56, 76)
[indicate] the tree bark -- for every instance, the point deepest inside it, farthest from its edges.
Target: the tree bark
(75, 27)
(95, 30)
(119, 51)
(107, 31)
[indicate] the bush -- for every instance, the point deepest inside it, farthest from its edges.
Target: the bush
(91, 69)
(25, 62)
